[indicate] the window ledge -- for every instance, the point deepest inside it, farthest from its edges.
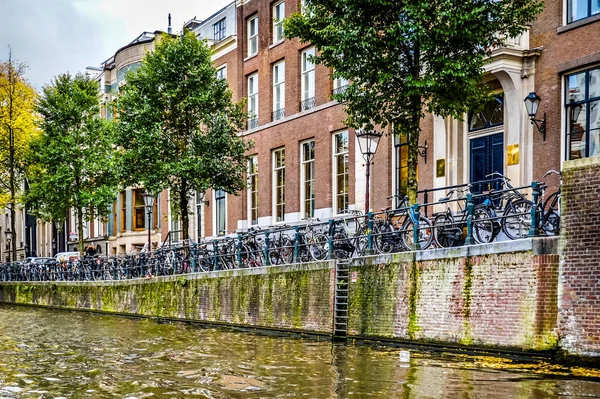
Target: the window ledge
(276, 44)
(250, 57)
(579, 23)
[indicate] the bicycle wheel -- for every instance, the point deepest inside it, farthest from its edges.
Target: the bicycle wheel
(550, 221)
(383, 237)
(318, 246)
(444, 231)
(516, 220)
(483, 226)
(425, 235)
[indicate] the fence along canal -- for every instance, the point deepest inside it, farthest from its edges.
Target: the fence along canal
(460, 218)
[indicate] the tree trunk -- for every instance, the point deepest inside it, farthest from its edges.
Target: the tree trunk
(414, 132)
(11, 156)
(183, 208)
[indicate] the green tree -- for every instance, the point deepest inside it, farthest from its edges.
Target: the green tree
(407, 57)
(17, 129)
(73, 163)
(178, 125)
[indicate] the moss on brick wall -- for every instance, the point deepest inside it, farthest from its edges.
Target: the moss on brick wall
(296, 297)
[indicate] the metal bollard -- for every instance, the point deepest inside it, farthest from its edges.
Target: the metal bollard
(416, 216)
(215, 255)
(239, 252)
(536, 191)
(296, 242)
(266, 249)
(470, 208)
(370, 233)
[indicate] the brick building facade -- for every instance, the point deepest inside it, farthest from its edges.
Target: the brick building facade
(549, 54)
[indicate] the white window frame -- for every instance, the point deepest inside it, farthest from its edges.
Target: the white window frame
(214, 213)
(339, 83)
(308, 75)
(252, 160)
(334, 170)
(279, 86)
(252, 35)
(303, 180)
(276, 170)
(253, 96)
(278, 17)
(222, 72)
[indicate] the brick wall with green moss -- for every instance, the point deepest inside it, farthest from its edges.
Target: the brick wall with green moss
(294, 297)
(499, 295)
(506, 297)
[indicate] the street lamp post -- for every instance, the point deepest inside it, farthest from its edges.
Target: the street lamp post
(149, 204)
(368, 140)
(199, 202)
(8, 234)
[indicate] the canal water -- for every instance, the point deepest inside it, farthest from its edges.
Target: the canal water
(54, 354)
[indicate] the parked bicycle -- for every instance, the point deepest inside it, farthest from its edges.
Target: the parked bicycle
(394, 232)
(450, 228)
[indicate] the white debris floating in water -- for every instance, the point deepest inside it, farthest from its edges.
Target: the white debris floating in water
(404, 356)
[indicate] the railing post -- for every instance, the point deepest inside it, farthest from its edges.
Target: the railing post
(416, 215)
(470, 208)
(370, 233)
(194, 257)
(215, 255)
(534, 230)
(239, 251)
(426, 200)
(296, 242)
(330, 240)
(266, 249)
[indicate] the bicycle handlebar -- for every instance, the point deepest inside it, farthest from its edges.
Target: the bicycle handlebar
(497, 174)
(552, 171)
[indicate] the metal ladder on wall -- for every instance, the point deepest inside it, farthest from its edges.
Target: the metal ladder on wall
(340, 317)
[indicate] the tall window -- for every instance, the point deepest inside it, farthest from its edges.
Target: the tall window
(253, 35)
(400, 166)
(220, 213)
(340, 171)
(139, 210)
(253, 189)
(219, 30)
(222, 72)
(278, 17)
(339, 85)
(253, 101)
(308, 80)
(582, 104)
(279, 90)
(123, 211)
(579, 9)
(115, 212)
(307, 179)
(279, 184)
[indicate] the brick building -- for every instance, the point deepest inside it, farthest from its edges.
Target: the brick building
(306, 163)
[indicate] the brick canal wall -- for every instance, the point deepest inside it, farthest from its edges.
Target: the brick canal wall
(579, 296)
(504, 297)
(501, 295)
(297, 297)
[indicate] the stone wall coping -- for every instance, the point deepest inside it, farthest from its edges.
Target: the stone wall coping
(581, 163)
(538, 246)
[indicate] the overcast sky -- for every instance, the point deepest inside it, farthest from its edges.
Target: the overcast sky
(56, 36)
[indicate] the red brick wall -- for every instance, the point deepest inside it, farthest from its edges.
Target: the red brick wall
(579, 301)
(507, 299)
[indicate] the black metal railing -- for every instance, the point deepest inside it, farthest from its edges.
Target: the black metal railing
(340, 90)
(252, 123)
(307, 104)
(459, 218)
(278, 114)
